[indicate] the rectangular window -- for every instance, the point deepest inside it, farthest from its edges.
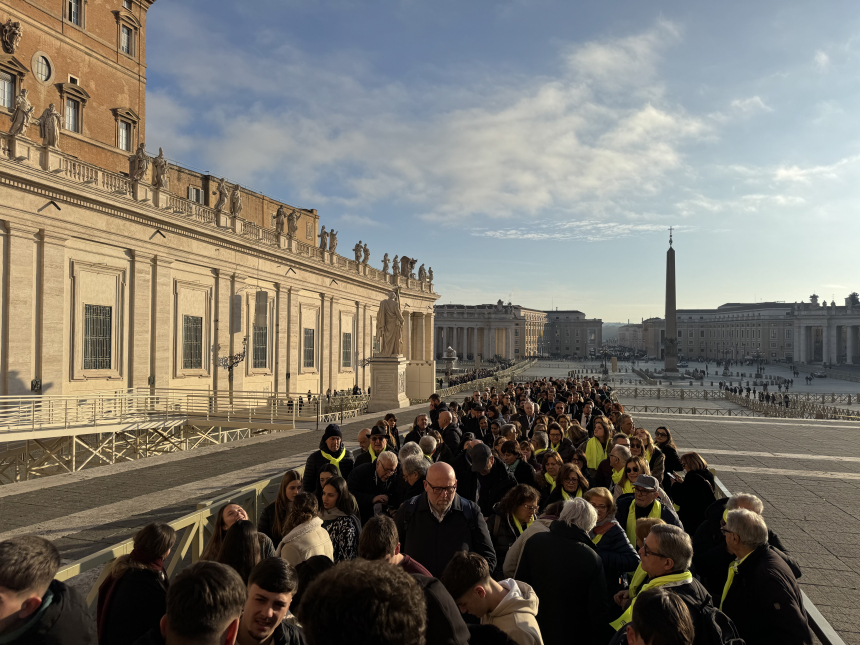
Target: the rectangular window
(308, 348)
(788, 333)
(195, 194)
(97, 337)
(309, 231)
(126, 4)
(773, 345)
(74, 8)
(73, 115)
(261, 347)
(125, 135)
(192, 342)
(702, 334)
(346, 350)
(125, 39)
(7, 90)
(516, 332)
(773, 334)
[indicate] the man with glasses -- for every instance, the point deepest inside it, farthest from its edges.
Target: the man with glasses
(665, 557)
(611, 469)
(372, 485)
(644, 503)
(438, 523)
(378, 444)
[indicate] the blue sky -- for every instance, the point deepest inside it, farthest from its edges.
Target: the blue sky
(537, 150)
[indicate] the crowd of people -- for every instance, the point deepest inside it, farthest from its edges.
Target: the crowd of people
(477, 374)
(542, 513)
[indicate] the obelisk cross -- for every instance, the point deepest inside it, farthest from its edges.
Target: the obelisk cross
(670, 235)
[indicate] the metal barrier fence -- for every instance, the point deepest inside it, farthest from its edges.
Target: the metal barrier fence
(193, 531)
(713, 412)
(796, 409)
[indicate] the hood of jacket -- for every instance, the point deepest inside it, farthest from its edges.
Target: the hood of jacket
(521, 598)
(301, 530)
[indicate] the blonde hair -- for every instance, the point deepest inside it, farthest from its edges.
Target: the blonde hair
(644, 526)
(694, 461)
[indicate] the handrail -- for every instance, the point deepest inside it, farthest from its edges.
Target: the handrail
(816, 621)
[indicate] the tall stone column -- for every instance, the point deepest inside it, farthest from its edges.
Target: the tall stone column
(51, 328)
(825, 342)
(671, 352)
(20, 308)
(140, 331)
(417, 320)
(834, 343)
(429, 340)
(849, 344)
(407, 335)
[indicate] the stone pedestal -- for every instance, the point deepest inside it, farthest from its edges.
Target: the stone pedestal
(139, 192)
(238, 225)
(22, 149)
(387, 383)
(420, 379)
(159, 198)
(52, 160)
(224, 220)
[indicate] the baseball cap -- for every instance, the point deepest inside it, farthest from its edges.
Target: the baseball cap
(646, 482)
(480, 454)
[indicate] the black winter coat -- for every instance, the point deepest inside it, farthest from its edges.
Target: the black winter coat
(265, 525)
(524, 473)
(453, 437)
(367, 458)
(693, 496)
(66, 621)
(566, 573)
(565, 449)
(625, 504)
(364, 484)
(764, 601)
(434, 543)
(467, 481)
(618, 555)
(434, 414)
(138, 602)
(711, 560)
(671, 464)
(413, 435)
(494, 486)
(503, 533)
(315, 462)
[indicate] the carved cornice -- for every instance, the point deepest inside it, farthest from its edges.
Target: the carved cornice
(11, 65)
(73, 90)
(125, 113)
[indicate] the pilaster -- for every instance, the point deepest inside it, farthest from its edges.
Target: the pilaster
(51, 329)
(239, 330)
(140, 330)
(20, 314)
(162, 295)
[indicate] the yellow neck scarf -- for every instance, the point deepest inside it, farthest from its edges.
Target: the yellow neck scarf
(671, 581)
(335, 461)
(733, 570)
(631, 518)
(566, 496)
(520, 526)
(617, 475)
(550, 481)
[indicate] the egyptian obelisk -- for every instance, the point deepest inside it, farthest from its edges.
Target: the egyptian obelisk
(671, 350)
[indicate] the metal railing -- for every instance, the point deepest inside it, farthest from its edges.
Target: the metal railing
(712, 412)
(796, 409)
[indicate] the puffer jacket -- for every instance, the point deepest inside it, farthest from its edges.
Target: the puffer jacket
(618, 555)
(315, 462)
(305, 541)
(516, 615)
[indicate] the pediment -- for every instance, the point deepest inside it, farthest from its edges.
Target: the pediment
(12, 65)
(74, 91)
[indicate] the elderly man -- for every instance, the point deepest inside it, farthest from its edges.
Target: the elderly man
(644, 503)
(711, 559)
(378, 445)
(373, 485)
(665, 557)
(540, 442)
(566, 573)
(331, 451)
(526, 419)
(363, 443)
(451, 434)
(428, 447)
(414, 472)
(761, 594)
(419, 429)
(625, 424)
(611, 469)
(439, 523)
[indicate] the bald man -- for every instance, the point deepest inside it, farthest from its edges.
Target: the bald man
(363, 443)
(439, 523)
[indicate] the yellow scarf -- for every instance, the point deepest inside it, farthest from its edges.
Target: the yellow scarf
(597, 538)
(648, 454)
(617, 475)
(550, 481)
(537, 452)
(631, 518)
(520, 526)
(627, 488)
(733, 570)
(566, 496)
(428, 458)
(639, 577)
(672, 581)
(595, 452)
(335, 461)
(373, 454)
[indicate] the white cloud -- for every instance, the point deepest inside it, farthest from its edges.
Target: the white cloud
(822, 61)
(750, 106)
(358, 220)
(587, 230)
(504, 146)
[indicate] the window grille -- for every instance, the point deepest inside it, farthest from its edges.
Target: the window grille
(261, 346)
(346, 350)
(309, 348)
(192, 342)
(97, 337)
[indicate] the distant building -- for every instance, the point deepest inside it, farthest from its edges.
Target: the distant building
(654, 337)
(506, 330)
(570, 333)
(630, 336)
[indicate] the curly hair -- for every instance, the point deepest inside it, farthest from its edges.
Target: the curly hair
(516, 497)
(304, 509)
(363, 602)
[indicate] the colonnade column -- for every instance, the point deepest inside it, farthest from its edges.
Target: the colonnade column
(825, 343)
(417, 336)
(800, 332)
(429, 338)
(407, 336)
(849, 344)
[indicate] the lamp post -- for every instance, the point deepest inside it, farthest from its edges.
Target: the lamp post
(232, 360)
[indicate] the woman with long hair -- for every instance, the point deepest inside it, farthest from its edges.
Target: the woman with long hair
(327, 473)
(576, 433)
(672, 463)
(274, 516)
(547, 479)
(641, 439)
(390, 422)
(634, 467)
(511, 516)
(226, 517)
(339, 513)
(241, 549)
(597, 448)
(571, 483)
(527, 452)
(133, 598)
(305, 537)
(695, 493)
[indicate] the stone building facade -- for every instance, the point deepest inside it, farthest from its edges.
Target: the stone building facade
(827, 334)
(570, 333)
(506, 330)
(631, 336)
(654, 337)
(112, 278)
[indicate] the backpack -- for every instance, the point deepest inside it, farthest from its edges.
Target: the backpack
(717, 628)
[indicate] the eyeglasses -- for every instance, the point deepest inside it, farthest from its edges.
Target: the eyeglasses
(531, 508)
(661, 434)
(600, 507)
(439, 490)
(724, 530)
(641, 491)
(632, 470)
(572, 480)
(389, 471)
(650, 552)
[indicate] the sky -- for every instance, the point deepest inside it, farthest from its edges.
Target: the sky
(537, 151)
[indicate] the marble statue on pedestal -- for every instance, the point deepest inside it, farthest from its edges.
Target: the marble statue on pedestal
(430, 274)
(366, 255)
(21, 115)
(293, 223)
(404, 266)
(323, 238)
(357, 250)
(223, 194)
(160, 179)
(332, 241)
(396, 264)
(422, 274)
(279, 218)
(49, 127)
(236, 201)
(139, 163)
(389, 326)
(386, 263)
